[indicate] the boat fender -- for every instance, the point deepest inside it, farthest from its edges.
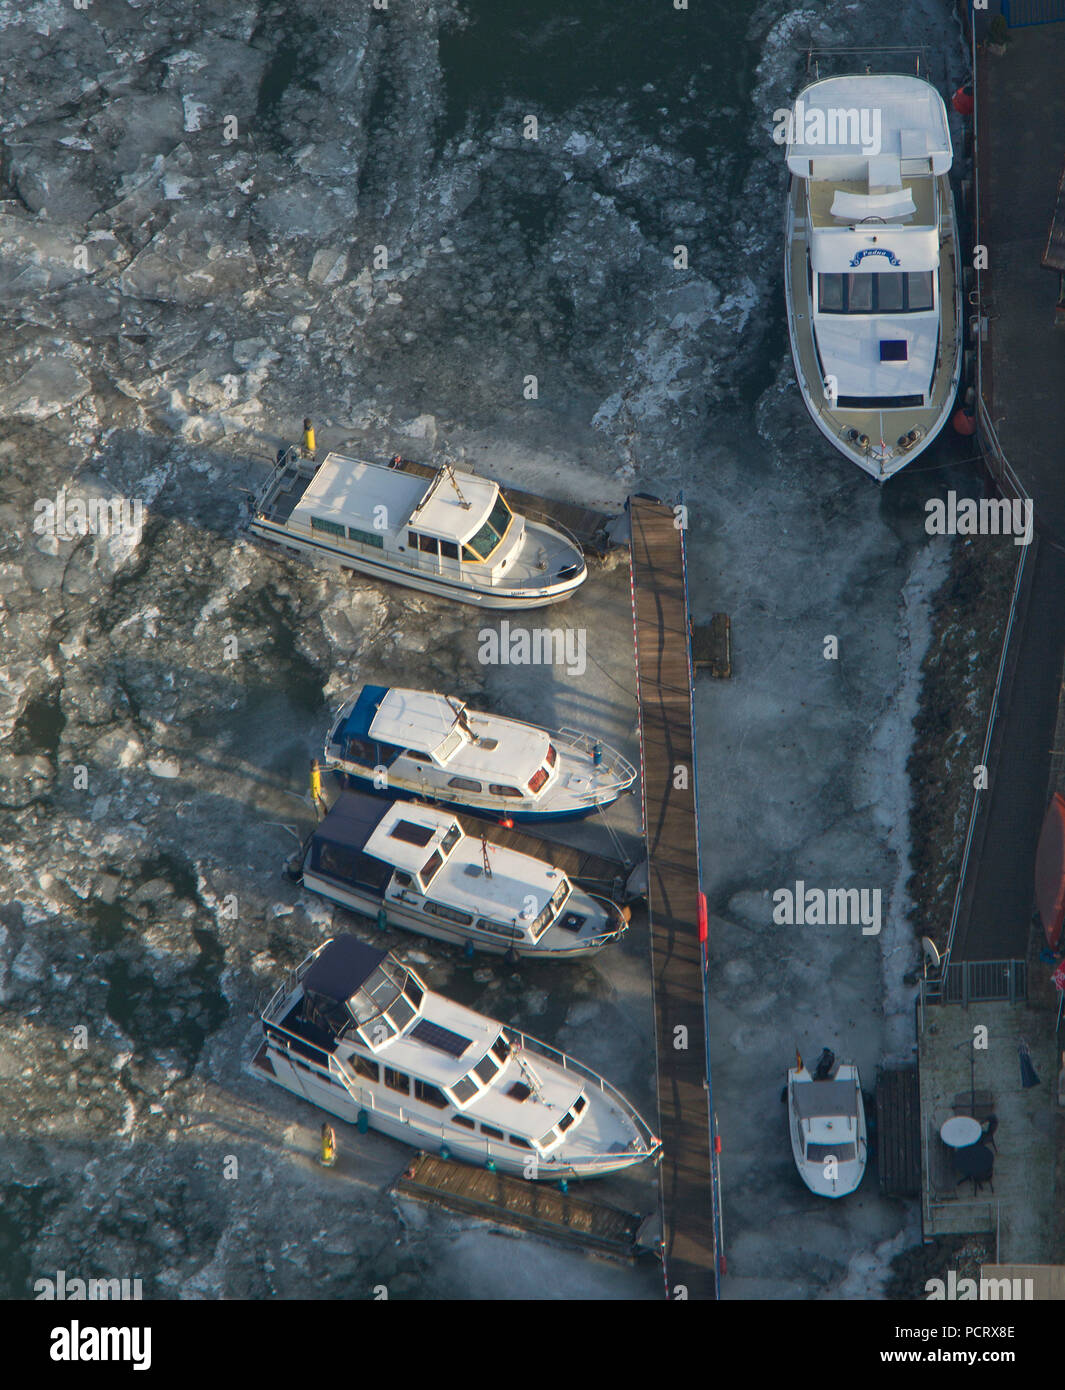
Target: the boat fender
(445, 1152)
(511, 956)
(490, 1164)
(362, 1123)
(563, 1186)
(703, 929)
(382, 919)
(467, 950)
(964, 422)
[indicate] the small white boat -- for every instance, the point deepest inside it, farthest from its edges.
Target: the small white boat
(419, 868)
(872, 265)
(358, 1034)
(451, 534)
(418, 743)
(826, 1120)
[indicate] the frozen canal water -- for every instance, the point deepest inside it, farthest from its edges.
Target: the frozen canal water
(216, 218)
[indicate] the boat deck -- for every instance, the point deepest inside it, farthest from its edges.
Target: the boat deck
(874, 423)
(688, 1172)
(593, 871)
(823, 193)
(530, 1206)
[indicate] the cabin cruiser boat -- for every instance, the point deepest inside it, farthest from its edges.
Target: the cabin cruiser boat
(451, 534)
(826, 1120)
(415, 867)
(872, 265)
(419, 743)
(358, 1034)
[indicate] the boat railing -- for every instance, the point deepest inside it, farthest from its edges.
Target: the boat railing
(612, 763)
(553, 524)
(290, 459)
(562, 1059)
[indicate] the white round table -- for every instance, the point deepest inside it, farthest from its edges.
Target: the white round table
(960, 1131)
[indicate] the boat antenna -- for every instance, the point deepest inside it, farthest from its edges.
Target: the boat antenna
(460, 715)
(449, 473)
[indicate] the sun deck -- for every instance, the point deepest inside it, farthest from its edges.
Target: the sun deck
(822, 193)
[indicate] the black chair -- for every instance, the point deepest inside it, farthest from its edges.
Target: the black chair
(988, 1136)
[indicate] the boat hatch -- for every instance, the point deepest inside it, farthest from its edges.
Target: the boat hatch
(412, 834)
(843, 1153)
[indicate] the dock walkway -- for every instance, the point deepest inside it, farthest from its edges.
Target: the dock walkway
(688, 1172)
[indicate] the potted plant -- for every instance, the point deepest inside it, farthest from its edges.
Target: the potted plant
(997, 34)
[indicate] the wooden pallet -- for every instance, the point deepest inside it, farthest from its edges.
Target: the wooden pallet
(530, 1206)
(898, 1131)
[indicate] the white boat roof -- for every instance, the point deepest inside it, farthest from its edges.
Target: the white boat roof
(350, 492)
(413, 718)
(842, 250)
(394, 840)
(913, 124)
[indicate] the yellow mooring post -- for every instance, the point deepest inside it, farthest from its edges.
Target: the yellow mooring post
(329, 1146)
(309, 447)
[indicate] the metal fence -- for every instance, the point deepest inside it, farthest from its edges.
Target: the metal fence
(1020, 13)
(978, 982)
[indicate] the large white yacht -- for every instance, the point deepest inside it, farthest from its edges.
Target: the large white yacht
(419, 743)
(452, 534)
(415, 867)
(358, 1034)
(872, 265)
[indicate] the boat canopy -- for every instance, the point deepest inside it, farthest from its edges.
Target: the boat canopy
(343, 967)
(843, 123)
(825, 1099)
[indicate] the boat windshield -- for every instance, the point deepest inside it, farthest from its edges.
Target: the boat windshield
(842, 1153)
(551, 911)
(876, 292)
(481, 546)
(378, 993)
(451, 839)
(431, 868)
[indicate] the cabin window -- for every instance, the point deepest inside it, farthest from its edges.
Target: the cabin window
(464, 784)
(537, 780)
(404, 880)
(518, 1141)
(364, 1067)
(412, 539)
(464, 1090)
(565, 1123)
(549, 1138)
(397, 1081)
(432, 1095)
(491, 1132)
(428, 544)
(401, 1013)
(499, 790)
(581, 1102)
(492, 532)
(449, 550)
(463, 1120)
(430, 867)
(361, 750)
(486, 1068)
(452, 836)
(373, 538)
(884, 292)
(552, 755)
(414, 992)
(499, 928)
(501, 1048)
(331, 528)
(449, 914)
(417, 756)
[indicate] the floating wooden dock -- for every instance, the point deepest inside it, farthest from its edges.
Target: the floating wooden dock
(688, 1172)
(586, 524)
(898, 1131)
(529, 1206)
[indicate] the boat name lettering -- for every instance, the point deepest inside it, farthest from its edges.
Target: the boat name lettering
(859, 256)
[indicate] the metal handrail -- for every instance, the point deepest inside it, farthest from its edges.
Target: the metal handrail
(616, 766)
